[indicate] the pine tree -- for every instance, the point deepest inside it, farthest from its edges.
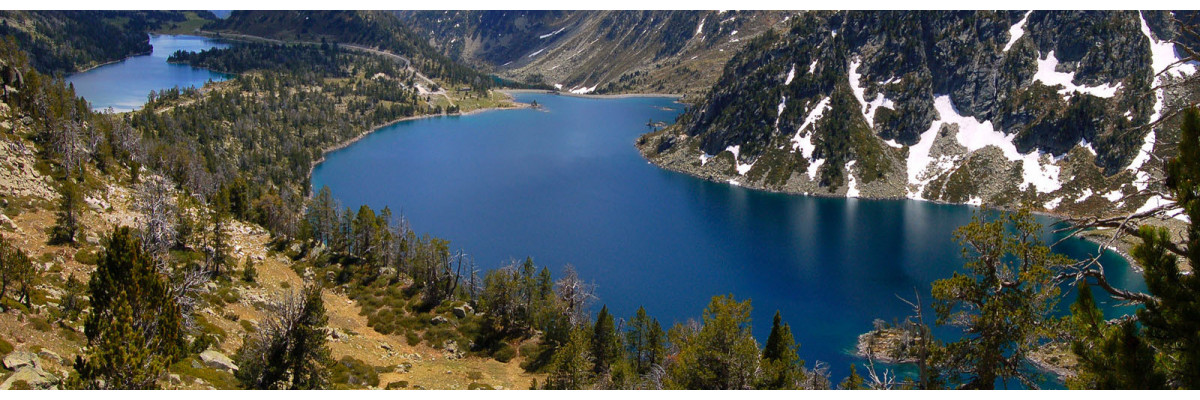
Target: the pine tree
(218, 252)
(854, 381)
(115, 361)
(16, 270)
(722, 355)
(1110, 357)
(134, 329)
(1117, 356)
(606, 344)
(571, 368)
(645, 341)
(70, 208)
(781, 365)
(290, 351)
(249, 273)
(1172, 323)
(1003, 302)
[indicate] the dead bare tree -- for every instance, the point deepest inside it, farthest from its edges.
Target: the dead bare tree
(155, 199)
(575, 294)
(186, 289)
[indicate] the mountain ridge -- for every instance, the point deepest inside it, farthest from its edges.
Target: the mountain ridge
(960, 107)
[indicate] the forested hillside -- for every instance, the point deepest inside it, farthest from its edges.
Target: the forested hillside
(597, 51)
(1052, 109)
(375, 30)
(71, 41)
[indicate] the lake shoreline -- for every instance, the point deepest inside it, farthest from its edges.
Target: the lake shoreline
(594, 96)
(1090, 238)
(122, 59)
(346, 143)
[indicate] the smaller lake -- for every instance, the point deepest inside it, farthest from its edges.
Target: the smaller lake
(123, 85)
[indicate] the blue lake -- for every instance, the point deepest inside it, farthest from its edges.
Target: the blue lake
(124, 85)
(566, 185)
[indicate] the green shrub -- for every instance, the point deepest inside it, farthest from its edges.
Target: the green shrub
(220, 379)
(248, 326)
(5, 347)
(479, 386)
(40, 324)
(505, 353)
(412, 338)
(249, 273)
(86, 256)
(353, 372)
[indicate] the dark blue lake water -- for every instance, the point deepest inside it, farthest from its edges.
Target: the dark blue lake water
(566, 185)
(123, 85)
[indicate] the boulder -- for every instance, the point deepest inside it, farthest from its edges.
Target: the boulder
(438, 320)
(217, 360)
(92, 239)
(463, 310)
(98, 205)
(34, 376)
(18, 359)
(7, 222)
(46, 354)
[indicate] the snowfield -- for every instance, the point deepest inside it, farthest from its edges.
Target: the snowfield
(973, 135)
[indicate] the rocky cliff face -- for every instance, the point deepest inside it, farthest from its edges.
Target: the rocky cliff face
(1004, 108)
(597, 51)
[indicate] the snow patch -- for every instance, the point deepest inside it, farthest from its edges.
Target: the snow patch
(791, 75)
(1088, 146)
(731, 33)
(704, 158)
(552, 33)
(558, 86)
(584, 89)
(782, 106)
(701, 27)
(1047, 74)
(851, 185)
(742, 169)
(1016, 31)
(1052, 204)
(803, 142)
(812, 67)
(813, 167)
(1113, 196)
(868, 108)
(893, 143)
(975, 201)
(536, 53)
(1086, 194)
(1157, 201)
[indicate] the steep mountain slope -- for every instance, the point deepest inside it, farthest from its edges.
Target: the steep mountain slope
(1003, 108)
(597, 51)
